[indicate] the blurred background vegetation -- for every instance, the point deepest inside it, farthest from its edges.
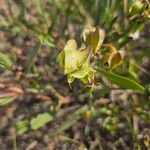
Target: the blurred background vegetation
(38, 109)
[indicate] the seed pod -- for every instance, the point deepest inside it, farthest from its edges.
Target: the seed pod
(112, 57)
(114, 60)
(94, 36)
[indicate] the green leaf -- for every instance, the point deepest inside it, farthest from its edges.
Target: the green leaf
(121, 81)
(127, 74)
(81, 72)
(4, 101)
(40, 120)
(5, 61)
(74, 59)
(22, 126)
(133, 68)
(88, 78)
(75, 63)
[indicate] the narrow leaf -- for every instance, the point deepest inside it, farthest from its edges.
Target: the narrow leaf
(40, 120)
(121, 81)
(5, 60)
(22, 126)
(4, 101)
